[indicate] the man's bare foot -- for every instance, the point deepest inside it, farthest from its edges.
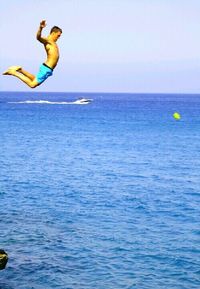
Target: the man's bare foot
(10, 69)
(16, 68)
(7, 72)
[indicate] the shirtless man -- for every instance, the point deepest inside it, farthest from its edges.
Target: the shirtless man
(46, 69)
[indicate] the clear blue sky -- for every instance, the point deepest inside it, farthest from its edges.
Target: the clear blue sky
(107, 45)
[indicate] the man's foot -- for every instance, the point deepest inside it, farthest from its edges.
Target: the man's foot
(7, 72)
(10, 69)
(16, 67)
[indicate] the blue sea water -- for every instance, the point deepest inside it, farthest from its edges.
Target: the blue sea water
(104, 195)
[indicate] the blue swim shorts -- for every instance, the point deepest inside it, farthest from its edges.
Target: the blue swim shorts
(44, 72)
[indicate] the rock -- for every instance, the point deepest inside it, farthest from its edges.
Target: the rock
(3, 259)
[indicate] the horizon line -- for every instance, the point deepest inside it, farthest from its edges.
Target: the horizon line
(104, 92)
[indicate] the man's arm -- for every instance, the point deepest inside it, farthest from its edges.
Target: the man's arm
(39, 37)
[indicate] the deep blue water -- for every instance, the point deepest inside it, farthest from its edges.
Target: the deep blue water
(104, 195)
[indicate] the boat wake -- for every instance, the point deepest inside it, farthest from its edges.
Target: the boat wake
(79, 101)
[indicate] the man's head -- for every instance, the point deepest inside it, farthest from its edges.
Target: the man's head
(56, 32)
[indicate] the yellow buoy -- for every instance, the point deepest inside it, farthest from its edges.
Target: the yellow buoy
(177, 116)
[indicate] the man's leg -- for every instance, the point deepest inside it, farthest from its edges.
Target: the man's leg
(21, 70)
(31, 82)
(26, 73)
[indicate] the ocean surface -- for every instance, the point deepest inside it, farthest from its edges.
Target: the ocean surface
(104, 195)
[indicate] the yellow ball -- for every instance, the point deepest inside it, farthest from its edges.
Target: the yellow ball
(177, 116)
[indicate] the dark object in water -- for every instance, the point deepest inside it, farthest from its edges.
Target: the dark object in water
(3, 259)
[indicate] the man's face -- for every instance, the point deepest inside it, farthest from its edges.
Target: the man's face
(57, 35)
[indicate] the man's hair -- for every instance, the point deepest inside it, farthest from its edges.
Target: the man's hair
(55, 29)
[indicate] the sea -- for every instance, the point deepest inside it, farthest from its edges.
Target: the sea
(104, 195)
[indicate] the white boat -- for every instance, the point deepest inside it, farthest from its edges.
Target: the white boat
(83, 101)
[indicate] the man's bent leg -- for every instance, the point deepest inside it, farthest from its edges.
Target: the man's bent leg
(26, 73)
(30, 82)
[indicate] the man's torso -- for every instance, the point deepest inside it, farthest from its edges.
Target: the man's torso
(52, 54)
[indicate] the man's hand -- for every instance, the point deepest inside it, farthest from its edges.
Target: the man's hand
(43, 40)
(43, 24)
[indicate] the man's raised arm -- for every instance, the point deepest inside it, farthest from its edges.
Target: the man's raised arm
(39, 32)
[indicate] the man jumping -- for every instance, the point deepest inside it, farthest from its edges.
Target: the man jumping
(46, 69)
